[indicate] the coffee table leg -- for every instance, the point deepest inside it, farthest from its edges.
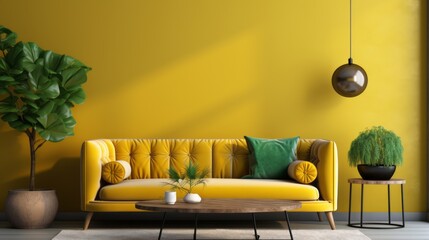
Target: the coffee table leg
(350, 203)
(162, 225)
(288, 225)
(196, 225)
(254, 227)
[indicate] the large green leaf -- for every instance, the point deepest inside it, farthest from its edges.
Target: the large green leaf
(63, 110)
(46, 109)
(31, 119)
(8, 108)
(10, 117)
(14, 71)
(61, 100)
(68, 62)
(53, 62)
(31, 54)
(7, 38)
(30, 96)
(70, 122)
(78, 97)
(4, 67)
(19, 125)
(6, 79)
(44, 86)
(14, 56)
(36, 78)
(52, 90)
(53, 128)
(25, 92)
(31, 51)
(45, 120)
(32, 104)
(73, 78)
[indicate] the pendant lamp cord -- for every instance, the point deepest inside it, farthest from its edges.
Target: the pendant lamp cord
(350, 58)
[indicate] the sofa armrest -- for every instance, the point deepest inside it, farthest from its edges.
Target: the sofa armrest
(94, 153)
(325, 154)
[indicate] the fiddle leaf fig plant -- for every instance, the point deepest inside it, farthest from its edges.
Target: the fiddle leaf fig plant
(38, 88)
(376, 146)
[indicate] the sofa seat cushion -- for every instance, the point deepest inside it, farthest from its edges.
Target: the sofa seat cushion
(144, 189)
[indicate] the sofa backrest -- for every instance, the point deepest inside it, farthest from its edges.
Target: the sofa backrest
(225, 158)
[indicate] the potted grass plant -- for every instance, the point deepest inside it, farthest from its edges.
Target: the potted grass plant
(186, 180)
(37, 90)
(376, 152)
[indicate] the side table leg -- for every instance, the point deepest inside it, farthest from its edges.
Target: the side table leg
(388, 203)
(254, 227)
(402, 200)
(361, 205)
(350, 202)
(162, 226)
(288, 225)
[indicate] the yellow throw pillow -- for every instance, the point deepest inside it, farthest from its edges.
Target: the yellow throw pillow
(302, 171)
(116, 171)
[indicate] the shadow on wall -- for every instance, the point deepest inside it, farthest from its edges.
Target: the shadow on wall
(15, 165)
(63, 177)
(321, 87)
(13, 159)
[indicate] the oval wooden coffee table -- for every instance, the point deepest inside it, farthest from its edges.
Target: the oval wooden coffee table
(222, 206)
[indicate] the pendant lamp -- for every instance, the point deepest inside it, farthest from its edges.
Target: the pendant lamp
(349, 80)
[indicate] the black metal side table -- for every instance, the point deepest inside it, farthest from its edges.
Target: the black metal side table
(388, 224)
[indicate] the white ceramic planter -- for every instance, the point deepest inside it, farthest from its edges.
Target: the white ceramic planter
(170, 197)
(192, 198)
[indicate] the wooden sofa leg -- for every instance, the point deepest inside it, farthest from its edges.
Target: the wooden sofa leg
(88, 220)
(330, 217)
(319, 214)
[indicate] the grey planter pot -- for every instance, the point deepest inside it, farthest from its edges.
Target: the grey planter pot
(31, 209)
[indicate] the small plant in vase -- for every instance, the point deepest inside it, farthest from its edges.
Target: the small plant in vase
(376, 152)
(186, 180)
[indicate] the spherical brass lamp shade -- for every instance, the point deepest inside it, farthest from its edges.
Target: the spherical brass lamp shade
(349, 80)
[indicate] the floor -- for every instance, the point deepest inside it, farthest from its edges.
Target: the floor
(413, 230)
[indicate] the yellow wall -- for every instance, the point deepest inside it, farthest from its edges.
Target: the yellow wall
(224, 69)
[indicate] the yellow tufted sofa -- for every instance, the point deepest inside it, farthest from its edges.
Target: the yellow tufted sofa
(226, 158)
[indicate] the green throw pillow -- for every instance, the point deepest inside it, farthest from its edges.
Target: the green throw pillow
(270, 158)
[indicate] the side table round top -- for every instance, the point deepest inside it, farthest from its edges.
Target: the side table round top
(221, 205)
(385, 182)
